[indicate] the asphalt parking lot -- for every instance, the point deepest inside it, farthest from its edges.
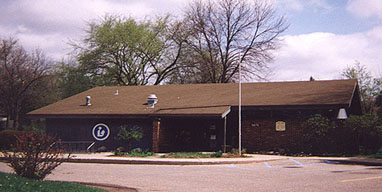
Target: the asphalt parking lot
(292, 174)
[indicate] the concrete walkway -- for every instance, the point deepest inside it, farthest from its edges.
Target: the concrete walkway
(157, 160)
(108, 158)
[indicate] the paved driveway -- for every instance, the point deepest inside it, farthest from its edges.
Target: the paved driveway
(295, 174)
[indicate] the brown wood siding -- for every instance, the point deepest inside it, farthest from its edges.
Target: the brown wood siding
(80, 130)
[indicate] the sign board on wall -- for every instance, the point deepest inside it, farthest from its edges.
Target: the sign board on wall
(101, 132)
(280, 126)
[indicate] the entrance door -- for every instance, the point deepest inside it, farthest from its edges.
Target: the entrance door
(192, 135)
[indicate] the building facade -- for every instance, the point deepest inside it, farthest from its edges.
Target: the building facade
(201, 117)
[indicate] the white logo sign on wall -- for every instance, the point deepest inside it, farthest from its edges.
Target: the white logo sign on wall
(101, 132)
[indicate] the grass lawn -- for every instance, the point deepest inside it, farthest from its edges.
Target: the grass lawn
(11, 182)
(134, 154)
(192, 155)
(187, 155)
(376, 156)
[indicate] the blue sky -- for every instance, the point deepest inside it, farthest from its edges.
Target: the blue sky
(332, 17)
(324, 37)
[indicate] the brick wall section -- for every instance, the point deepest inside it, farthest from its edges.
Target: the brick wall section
(156, 135)
(166, 136)
(162, 136)
(261, 135)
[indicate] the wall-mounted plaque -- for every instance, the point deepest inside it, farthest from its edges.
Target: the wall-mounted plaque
(280, 126)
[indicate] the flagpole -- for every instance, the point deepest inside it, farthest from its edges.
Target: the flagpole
(240, 104)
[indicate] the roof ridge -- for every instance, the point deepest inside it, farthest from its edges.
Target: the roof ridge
(231, 83)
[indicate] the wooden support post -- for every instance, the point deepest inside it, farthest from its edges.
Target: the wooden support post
(225, 135)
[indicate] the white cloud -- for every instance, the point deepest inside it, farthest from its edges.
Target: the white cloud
(299, 5)
(53, 45)
(49, 25)
(291, 4)
(325, 55)
(365, 8)
(322, 4)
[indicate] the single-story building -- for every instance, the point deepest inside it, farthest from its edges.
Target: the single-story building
(200, 117)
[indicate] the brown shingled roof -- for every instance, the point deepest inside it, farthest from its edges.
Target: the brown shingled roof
(201, 99)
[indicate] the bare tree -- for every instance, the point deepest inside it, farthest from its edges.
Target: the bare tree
(21, 77)
(224, 33)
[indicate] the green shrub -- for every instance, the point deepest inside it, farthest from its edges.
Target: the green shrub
(140, 153)
(120, 153)
(129, 134)
(317, 134)
(368, 132)
(135, 153)
(235, 151)
(193, 155)
(356, 135)
(34, 155)
(217, 154)
(187, 155)
(8, 138)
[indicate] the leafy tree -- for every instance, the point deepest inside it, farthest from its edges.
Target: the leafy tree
(122, 51)
(322, 135)
(222, 34)
(368, 130)
(71, 79)
(129, 134)
(369, 87)
(378, 102)
(25, 81)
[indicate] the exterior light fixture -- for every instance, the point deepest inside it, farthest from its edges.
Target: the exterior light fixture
(342, 114)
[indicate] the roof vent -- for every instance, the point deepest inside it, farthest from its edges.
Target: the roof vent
(116, 92)
(152, 99)
(88, 101)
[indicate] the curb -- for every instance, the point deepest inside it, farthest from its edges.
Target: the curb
(160, 162)
(154, 162)
(106, 185)
(366, 162)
